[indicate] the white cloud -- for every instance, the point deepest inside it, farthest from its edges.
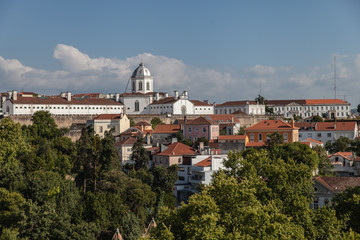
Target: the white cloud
(82, 73)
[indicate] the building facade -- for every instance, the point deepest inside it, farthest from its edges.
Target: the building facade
(248, 107)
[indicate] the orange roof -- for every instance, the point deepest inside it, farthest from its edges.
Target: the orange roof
(128, 141)
(271, 125)
(232, 137)
(312, 140)
(255, 144)
(235, 103)
(142, 123)
(167, 128)
(324, 101)
(346, 155)
(335, 126)
(108, 116)
(223, 118)
(204, 163)
(64, 101)
(200, 103)
(305, 125)
(201, 121)
(177, 149)
(166, 100)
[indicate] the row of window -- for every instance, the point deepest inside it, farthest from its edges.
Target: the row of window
(16, 107)
(196, 129)
(311, 108)
(310, 135)
(260, 137)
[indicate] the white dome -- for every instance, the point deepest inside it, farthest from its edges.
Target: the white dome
(141, 71)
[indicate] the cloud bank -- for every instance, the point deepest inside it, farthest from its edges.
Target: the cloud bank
(81, 73)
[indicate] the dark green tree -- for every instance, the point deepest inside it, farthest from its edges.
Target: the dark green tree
(317, 118)
(274, 139)
(155, 121)
(139, 155)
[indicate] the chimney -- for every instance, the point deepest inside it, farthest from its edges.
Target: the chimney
(68, 96)
(117, 97)
(9, 94)
(14, 95)
(186, 94)
(173, 140)
(166, 95)
(176, 94)
(63, 95)
(157, 96)
(293, 123)
(201, 147)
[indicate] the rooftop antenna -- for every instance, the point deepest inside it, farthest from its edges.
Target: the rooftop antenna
(334, 79)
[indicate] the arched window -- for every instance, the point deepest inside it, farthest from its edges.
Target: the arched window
(147, 86)
(140, 85)
(183, 110)
(133, 86)
(137, 106)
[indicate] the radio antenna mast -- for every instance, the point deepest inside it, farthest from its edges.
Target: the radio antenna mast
(334, 79)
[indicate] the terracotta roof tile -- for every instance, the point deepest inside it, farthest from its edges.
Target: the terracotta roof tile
(167, 128)
(204, 163)
(338, 184)
(235, 103)
(177, 149)
(271, 125)
(255, 144)
(223, 118)
(200, 103)
(128, 141)
(335, 126)
(324, 101)
(201, 121)
(312, 140)
(166, 100)
(108, 116)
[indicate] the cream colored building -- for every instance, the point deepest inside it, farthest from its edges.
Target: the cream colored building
(106, 122)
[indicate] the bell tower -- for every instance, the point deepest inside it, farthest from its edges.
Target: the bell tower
(141, 80)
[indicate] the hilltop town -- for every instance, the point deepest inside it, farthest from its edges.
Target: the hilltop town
(257, 157)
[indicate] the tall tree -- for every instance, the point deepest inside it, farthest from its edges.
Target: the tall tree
(139, 155)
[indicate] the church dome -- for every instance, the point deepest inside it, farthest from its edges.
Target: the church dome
(141, 71)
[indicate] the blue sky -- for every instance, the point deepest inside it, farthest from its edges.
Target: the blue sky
(217, 50)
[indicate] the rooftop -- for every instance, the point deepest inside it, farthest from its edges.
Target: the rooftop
(177, 149)
(271, 125)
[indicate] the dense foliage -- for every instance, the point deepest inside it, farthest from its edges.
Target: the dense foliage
(52, 188)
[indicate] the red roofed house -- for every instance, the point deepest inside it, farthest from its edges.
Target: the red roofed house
(172, 155)
(312, 142)
(227, 122)
(343, 163)
(259, 132)
(164, 133)
(329, 131)
(249, 107)
(106, 122)
(325, 188)
(310, 107)
(201, 127)
(64, 104)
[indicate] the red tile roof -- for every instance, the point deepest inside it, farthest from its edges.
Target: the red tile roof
(63, 101)
(255, 144)
(346, 155)
(204, 163)
(305, 125)
(167, 128)
(285, 102)
(271, 125)
(200, 103)
(142, 123)
(335, 126)
(201, 121)
(166, 100)
(338, 184)
(177, 149)
(236, 103)
(232, 137)
(324, 101)
(128, 141)
(223, 118)
(108, 116)
(312, 140)
(239, 112)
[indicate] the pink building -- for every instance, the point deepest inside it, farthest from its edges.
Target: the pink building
(201, 127)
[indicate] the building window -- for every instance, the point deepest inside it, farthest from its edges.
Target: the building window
(319, 134)
(196, 129)
(300, 135)
(316, 205)
(204, 129)
(140, 86)
(101, 129)
(260, 137)
(310, 135)
(285, 137)
(137, 107)
(189, 129)
(329, 135)
(147, 86)
(251, 137)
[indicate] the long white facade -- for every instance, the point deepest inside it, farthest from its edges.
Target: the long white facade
(249, 107)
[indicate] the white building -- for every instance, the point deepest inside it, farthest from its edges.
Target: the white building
(249, 107)
(180, 105)
(327, 131)
(196, 170)
(310, 107)
(65, 104)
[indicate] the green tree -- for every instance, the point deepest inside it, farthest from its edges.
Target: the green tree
(317, 118)
(155, 121)
(325, 165)
(342, 144)
(11, 205)
(201, 139)
(347, 205)
(180, 138)
(139, 155)
(274, 139)
(241, 131)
